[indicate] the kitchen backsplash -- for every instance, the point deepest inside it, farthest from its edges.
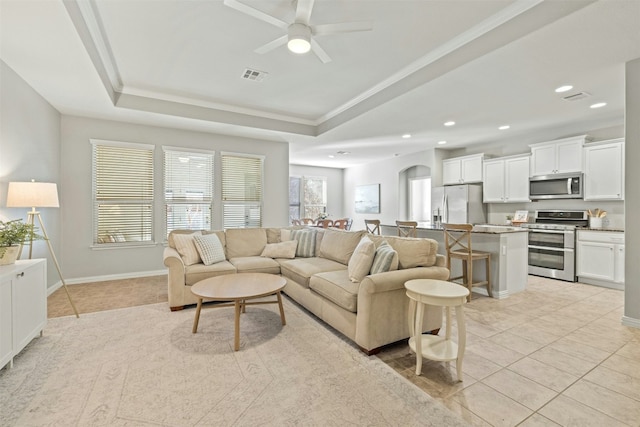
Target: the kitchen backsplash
(497, 212)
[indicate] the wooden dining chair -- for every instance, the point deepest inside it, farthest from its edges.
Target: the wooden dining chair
(325, 223)
(457, 242)
(349, 223)
(373, 226)
(307, 221)
(407, 228)
(340, 223)
(296, 222)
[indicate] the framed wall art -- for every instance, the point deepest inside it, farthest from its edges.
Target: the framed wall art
(368, 198)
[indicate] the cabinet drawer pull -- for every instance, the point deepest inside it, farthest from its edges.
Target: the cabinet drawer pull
(20, 274)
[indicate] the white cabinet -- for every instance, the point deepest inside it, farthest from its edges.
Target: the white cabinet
(604, 170)
(462, 170)
(23, 306)
(506, 180)
(560, 156)
(600, 258)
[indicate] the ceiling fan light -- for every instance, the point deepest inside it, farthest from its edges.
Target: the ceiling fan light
(299, 38)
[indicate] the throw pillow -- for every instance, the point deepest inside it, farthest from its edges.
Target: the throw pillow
(285, 235)
(383, 260)
(210, 248)
(306, 242)
(361, 260)
(187, 248)
(280, 250)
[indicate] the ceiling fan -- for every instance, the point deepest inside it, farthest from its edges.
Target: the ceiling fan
(300, 34)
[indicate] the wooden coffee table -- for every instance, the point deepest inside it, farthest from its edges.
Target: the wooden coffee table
(238, 288)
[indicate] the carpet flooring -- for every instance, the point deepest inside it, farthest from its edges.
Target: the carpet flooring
(143, 366)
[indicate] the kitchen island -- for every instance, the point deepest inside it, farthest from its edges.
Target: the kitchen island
(507, 246)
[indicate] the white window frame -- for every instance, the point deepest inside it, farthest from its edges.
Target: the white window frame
(208, 187)
(148, 201)
(240, 202)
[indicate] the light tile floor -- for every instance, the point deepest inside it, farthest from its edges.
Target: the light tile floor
(555, 354)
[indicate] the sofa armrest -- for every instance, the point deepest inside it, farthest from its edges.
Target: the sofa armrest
(176, 276)
(441, 261)
(394, 280)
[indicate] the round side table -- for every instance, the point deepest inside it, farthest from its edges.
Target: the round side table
(440, 293)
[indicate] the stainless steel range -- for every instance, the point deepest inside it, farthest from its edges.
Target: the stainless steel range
(552, 242)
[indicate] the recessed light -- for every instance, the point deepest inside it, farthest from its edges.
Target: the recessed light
(449, 123)
(598, 105)
(331, 156)
(442, 142)
(406, 136)
(564, 88)
(505, 127)
(343, 153)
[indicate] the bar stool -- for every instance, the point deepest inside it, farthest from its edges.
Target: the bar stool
(457, 242)
(373, 226)
(423, 292)
(407, 228)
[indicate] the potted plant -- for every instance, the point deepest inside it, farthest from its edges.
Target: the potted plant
(12, 234)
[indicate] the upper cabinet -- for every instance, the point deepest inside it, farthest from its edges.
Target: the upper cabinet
(462, 170)
(560, 156)
(506, 180)
(604, 170)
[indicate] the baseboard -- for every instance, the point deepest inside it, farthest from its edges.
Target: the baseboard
(630, 321)
(91, 279)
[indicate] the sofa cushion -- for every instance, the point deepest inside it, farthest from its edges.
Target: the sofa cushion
(306, 242)
(196, 272)
(185, 245)
(386, 259)
(361, 260)
(338, 245)
(280, 250)
(242, 242)
(301, 269)
(337, 288)
(412, 252)
(210, 248)
(255, 264)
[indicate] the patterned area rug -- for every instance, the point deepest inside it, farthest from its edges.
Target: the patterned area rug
(142, 366)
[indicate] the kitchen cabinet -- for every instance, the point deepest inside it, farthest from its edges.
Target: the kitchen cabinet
(23, 306)
(604, 170)
(559, 156)
(462, 170)
(506, 180)
(600, 258)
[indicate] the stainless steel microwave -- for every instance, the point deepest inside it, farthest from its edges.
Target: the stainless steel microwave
(556, 186)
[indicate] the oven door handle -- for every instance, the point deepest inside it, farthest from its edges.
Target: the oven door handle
(547, 248)
(550, 231)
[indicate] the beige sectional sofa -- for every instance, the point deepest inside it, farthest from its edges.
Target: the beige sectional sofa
(372, 311)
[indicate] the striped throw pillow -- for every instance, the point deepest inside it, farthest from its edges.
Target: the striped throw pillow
(210, 248)
(306, 242)
(383, 259)
(186, 247)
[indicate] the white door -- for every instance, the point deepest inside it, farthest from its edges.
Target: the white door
(420, 199)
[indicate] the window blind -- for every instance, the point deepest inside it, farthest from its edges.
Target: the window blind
(188, 189)
(123, 192)
(242, 190)
(314, 196)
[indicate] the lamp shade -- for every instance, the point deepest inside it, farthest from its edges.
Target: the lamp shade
(32, 194)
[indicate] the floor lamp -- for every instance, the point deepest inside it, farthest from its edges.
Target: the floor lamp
(37, 195)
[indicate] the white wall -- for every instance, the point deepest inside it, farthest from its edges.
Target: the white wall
(632, 202)
(335, 185)
(29, 149)
(80, 262)
(387, 174)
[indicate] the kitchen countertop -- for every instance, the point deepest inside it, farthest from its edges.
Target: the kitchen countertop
(480, 228)
(615, 230)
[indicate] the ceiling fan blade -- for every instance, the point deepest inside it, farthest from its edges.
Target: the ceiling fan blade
(272, 45)
(235, 4)
(320, 53)
(345, 27)
(303, 11)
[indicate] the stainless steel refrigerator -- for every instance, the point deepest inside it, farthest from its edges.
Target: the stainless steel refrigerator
(458, 204)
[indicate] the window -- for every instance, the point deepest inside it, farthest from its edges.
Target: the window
(420, 199)
(122, 193)
(188, 189)
(314, 196)
(294, 197)
(241, 190)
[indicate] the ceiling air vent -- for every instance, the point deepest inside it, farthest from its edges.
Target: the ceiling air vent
(576, 96)
(255, 75)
